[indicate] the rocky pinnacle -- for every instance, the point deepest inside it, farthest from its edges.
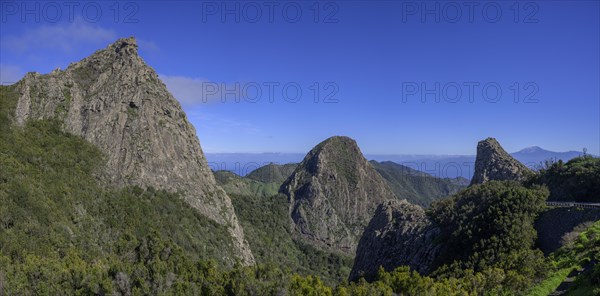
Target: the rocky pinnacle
(118, 103)
(493, 163)
(333, 194)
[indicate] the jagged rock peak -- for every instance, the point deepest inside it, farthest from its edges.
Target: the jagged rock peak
(114, 100)
(400, 234)
(123, 47)
(120, 48)
(333, 194)
(494, 163)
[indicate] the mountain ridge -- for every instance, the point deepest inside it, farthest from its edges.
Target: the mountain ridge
(441, 166)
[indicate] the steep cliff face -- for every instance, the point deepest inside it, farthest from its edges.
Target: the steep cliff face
(554, 224)
(333, 194)
(117, 102)
(399, 234)
(494, 163)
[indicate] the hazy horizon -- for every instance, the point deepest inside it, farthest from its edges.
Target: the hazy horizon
(395, 154)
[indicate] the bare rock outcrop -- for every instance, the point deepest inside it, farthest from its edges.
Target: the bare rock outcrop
(118, 103)
(333, 195)
(400, 234)
(555, 225)
(494, 163)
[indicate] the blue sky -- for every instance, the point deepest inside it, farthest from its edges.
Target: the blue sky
(372, 62)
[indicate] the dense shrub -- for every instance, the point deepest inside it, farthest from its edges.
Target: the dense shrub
(489, 229)
(575, 180)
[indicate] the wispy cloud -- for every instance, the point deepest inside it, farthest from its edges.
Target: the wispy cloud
(194, 91)
(221, 132)
(63, 37)
(10, 74)
(218, 124)
(188, 91)
(146, 45)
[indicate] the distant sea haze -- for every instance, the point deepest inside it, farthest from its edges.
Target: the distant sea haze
(441, 166)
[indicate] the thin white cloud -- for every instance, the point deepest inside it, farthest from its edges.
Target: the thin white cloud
(220, 128)
(10, 74)
(220, 124)
(63, 37)
(195, 91)
(188, 91)
(147, 45)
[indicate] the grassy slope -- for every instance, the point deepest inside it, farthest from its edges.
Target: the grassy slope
(266, 226)
(273, 173)
(551, 283)
(417, 187)
(585, 249)
(237, 185)
(264, 215)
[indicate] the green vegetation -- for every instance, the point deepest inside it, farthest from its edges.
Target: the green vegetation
(63, 105)
(583, 254)
(62, 233)
(51, 202)
(579, 259)
(551, 283)
(264, 215)
(415, 186)
(267, 225)
(132, 112)
(273, 173)
(236, 185)
(575, 180)
(8, 104)
(488, 229)
(343, 150)
(86, 75)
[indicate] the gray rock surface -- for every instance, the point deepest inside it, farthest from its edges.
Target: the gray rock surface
(117, 102)
(553, 224)
(494, 163)
(333, 195)
(400, 234)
